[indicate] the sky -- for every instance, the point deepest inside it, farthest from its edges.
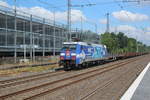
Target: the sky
(132, 18)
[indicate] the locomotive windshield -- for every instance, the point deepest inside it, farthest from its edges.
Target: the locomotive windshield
(69, 46)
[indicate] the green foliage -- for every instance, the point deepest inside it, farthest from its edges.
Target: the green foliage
(120, 43)
(110, 41)
(131, 45)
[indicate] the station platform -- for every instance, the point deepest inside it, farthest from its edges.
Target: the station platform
(140, 88)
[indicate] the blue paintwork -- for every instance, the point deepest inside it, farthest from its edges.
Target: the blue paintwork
(85, 52)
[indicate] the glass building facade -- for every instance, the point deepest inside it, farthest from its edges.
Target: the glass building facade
(26, 34)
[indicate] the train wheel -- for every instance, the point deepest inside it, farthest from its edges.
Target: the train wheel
(86, 65)
(66, 68)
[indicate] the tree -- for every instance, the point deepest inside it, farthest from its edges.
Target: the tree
(122, 40)
(110, 41)
(119, 43)
(131, 45)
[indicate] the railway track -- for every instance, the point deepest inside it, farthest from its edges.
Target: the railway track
(101, 90)
(22, 80)
(30, 78)
(24, 77)
(66, 81)
(79, 80)
(106, 84)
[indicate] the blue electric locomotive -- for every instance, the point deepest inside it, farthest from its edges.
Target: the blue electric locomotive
(79, 54)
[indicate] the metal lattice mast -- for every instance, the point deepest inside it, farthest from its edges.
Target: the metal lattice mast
(81, 27)
(107, 25)
(69, 20)
(15, 38)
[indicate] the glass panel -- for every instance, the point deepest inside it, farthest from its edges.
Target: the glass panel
(2, 21)
(27, 38)
(69, 46)
(51, 42)
(10, 22)
(2, 37)
(20, 25)
(19, 38)
(41, 41)
(10, 38)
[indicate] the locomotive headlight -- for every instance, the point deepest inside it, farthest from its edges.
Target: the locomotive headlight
(62, 54)
(73, 54)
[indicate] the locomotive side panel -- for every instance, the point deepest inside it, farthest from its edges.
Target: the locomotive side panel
(79, 54)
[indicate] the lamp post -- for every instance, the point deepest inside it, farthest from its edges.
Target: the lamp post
(15, 41)
(54, 33)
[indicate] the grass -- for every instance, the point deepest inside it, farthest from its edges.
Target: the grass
(51, 60)
(27, 69)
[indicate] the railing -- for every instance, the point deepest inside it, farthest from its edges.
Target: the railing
(25, 15)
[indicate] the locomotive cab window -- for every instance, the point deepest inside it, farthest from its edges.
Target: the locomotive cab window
(69, 46)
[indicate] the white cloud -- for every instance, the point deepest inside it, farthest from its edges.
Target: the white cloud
(60, 16)
(4, 4)
(127, 16)
(103, 21)
(76, 15)
(44, 13)
(134, 32)
(126, 28)
(144, 2)
(148, 29)
(37, 11)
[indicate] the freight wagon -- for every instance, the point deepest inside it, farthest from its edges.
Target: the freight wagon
(82, 54)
